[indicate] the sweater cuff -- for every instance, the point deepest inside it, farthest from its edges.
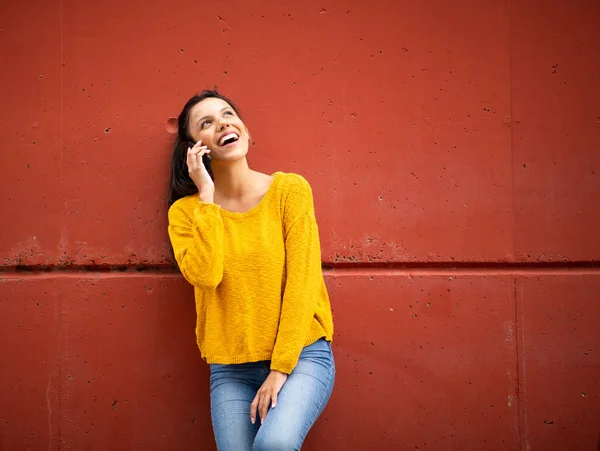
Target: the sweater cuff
(282, 367)
(285, 365)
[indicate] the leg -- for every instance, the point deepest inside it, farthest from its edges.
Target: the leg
(232, 389)
(300, 402)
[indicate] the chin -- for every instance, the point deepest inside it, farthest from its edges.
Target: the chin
(231, 154)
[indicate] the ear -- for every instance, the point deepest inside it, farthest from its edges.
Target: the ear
(171, 125)
(249, 135)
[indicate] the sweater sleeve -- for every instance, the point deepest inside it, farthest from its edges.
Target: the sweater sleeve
(197, 242)
(304, 277)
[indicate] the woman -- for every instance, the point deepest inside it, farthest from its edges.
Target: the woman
(248, 243)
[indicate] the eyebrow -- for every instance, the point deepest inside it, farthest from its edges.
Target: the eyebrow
(204, 117)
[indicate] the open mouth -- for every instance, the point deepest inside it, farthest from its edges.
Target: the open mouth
(229, 138)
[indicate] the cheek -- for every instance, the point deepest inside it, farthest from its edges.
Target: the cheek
(205, 137)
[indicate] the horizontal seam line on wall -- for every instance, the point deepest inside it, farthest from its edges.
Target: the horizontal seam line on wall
(335, 269)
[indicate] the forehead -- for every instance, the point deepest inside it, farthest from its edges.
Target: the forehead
(207, 107)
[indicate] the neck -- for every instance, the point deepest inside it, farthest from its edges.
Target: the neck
(232, 179)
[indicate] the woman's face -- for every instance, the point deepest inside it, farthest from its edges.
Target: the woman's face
(216, 124)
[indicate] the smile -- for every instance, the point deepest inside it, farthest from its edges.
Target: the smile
(228, 139)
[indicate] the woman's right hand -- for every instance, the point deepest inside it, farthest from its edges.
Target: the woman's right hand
(199, 174)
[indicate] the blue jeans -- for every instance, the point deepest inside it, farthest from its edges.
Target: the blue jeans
(299, 403)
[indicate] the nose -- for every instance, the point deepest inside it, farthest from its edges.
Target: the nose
(223, 124)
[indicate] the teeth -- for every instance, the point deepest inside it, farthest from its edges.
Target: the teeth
(229, 135)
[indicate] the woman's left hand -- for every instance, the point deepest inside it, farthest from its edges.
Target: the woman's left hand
(267, 395)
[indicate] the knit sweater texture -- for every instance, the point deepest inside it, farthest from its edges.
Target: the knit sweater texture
(258, 283)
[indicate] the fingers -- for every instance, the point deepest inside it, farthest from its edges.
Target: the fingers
(260, 405)
(253, 409)
(194, 157)
(266, 397)
(189, 160)
(274, 400)
(198, 150)
(195, 146)
(263, 407)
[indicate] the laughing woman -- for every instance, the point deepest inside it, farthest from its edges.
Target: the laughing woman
(248, 243)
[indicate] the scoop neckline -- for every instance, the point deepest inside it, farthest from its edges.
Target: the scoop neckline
(258, 206)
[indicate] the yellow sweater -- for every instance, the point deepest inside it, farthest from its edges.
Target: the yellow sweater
(258, 283)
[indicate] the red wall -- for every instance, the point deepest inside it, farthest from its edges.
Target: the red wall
(454, 149)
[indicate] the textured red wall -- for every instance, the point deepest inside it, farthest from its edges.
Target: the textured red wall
(454, 149)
